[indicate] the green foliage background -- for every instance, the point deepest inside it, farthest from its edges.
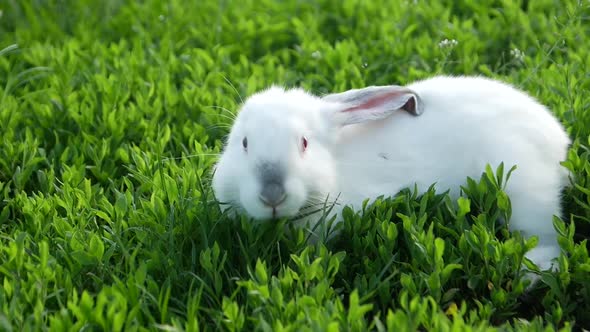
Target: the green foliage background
(111, 116)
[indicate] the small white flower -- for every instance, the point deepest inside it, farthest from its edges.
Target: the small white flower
(316, 55)
(448, 43)
(517, 54)
(162, 18)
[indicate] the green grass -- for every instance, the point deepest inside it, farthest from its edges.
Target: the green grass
(111, 116)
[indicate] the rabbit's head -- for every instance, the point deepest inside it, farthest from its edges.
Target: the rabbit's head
(278, 160)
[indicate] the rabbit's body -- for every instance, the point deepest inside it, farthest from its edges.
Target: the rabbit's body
(370, 148)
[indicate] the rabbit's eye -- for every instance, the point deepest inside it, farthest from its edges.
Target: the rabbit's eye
(245, 143)
(303, 143)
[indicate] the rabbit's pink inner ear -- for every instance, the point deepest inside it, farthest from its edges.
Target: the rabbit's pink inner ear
(374, 102)
(390, 101)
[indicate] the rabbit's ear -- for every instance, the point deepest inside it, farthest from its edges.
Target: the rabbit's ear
(373, 103)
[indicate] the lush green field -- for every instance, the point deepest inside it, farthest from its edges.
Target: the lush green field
(111, 116)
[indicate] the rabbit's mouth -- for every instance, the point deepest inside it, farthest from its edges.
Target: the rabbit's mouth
(276, 213)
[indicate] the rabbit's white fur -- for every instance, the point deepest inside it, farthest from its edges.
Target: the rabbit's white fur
(362, 145)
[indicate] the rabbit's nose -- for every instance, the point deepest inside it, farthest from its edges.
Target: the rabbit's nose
(273, 194)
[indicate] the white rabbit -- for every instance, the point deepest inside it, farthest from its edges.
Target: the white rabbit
(288, 149)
